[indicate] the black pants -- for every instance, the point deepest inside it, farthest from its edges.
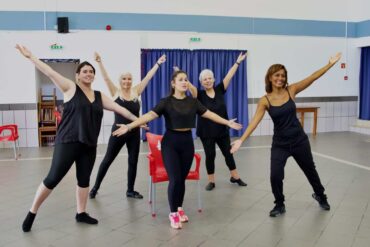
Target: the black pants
(63, 157)
(209, 145)
(132, 140)
(177, 149)
(301, 152)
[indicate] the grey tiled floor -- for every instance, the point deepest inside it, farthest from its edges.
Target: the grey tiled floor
(232, 216)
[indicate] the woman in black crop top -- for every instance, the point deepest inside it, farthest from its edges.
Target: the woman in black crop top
(211, 133)
(177, 145)
(126, 96)
(289, 138)
(77, 134)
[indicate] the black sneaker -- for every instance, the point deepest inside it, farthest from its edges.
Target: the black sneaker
(86, 218)
(93, 193)
(277, 210)
(134, 194)
(210, 186)
(238, 181)
(322, 200)
(28, 221)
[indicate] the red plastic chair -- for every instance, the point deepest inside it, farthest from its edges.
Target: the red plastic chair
(158, 173)
(12, 136)
(58, 117)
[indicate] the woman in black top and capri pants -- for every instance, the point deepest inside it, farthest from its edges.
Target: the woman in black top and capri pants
(76, 137)
(177, 145)
(127, 97)
(289, 138)
(211, 133)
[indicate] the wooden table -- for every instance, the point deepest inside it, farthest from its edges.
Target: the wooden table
(303, 110)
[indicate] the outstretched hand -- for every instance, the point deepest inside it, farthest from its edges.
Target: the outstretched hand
(23, 50)
(162, 59)
(97, 57)
(232, 124)
(335, 58)
(235, 145)
(123, 129)
(241, 57)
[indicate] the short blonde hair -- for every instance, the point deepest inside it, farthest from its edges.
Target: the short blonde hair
(206, 72)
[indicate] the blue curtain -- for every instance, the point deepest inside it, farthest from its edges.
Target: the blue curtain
(365, 84)
(193, 62)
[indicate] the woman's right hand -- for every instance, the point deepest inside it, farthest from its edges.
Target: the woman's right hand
(97, 57)
(23, 50)
(236, 126)
(123, 129)
(235, 145)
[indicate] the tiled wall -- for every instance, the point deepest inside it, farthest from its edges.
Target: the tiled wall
(334, 114)
(25, 116)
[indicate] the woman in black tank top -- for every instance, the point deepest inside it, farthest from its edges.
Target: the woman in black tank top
(126, 96)
(289, 138)
(77, 135)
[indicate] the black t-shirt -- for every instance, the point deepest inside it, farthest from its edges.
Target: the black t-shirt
(81, 119)
(132, 106)
(205, 127)
(179, 113)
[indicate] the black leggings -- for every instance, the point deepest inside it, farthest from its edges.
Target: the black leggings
(209, 145)
(132, 140)
(177, 149)
(63, 157)
(301, 152)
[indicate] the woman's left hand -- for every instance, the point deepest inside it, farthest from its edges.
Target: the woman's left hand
(335, 58)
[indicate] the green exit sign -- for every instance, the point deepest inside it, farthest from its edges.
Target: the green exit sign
(195, 39)
(56, 47)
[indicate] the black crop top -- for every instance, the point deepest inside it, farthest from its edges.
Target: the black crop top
(81, 119)
(179, 113)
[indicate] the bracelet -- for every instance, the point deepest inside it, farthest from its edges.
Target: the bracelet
(159, 65)
(237, 63)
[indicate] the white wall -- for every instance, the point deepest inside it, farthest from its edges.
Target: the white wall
(286, 9)
(120, 51)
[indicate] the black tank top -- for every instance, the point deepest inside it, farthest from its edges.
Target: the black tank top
(287, 128)
(81, 119)
(132, 106)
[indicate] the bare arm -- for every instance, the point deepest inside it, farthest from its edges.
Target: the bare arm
(302, 85)
(193, 90)
(260, 112)
(233, 69)
(142, 85)
(124, 128)
(110, 105)
(217, 119)
(64, 84)
(112, 88)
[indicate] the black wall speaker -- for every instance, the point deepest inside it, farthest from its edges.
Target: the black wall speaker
(63, 26)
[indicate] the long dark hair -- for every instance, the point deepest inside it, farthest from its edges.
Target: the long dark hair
(78, 70)
(272, 70)
(174, 75)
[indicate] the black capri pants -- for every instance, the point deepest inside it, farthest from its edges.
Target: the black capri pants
(65, 154)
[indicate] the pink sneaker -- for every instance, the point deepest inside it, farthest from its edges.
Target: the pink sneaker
(175, 220)
(182, 215)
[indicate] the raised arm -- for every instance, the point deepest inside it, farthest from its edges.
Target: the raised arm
(217, 119)
(110, 105)
(260, 112)
(302, 85)
(142, 85)
(124, 128)
(112, 88)
(233, 69)
(67, 86)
